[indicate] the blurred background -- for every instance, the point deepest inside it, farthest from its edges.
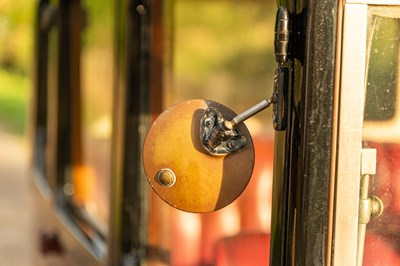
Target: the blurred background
(226, 58)
(16, 46)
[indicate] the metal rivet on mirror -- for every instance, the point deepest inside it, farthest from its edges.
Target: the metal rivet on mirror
(166, 177)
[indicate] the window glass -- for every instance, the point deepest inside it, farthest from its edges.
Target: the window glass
(220, 51)
(382, 131)
(92, 125)
(382, 79)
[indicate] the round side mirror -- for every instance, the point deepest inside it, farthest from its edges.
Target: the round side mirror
(182, 172)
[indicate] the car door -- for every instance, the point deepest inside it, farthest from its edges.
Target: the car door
(365, 222)
(334, 166)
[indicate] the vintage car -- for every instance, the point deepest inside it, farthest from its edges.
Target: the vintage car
(129, 170)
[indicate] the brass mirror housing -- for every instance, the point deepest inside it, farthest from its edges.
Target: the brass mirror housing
(182, 172)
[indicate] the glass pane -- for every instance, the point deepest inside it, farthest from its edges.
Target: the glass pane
(221, 51)
(92, 149)
(382, 79)
(382, 131)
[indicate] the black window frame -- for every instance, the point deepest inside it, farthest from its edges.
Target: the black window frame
(56, 142)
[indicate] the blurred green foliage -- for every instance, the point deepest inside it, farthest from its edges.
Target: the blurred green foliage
(99, 28)
(222, 51)
(237, 37)
(13, 101)
(16, 46)
(218, 47)
(16, 34)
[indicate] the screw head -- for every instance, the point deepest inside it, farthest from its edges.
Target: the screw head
(166, 177)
